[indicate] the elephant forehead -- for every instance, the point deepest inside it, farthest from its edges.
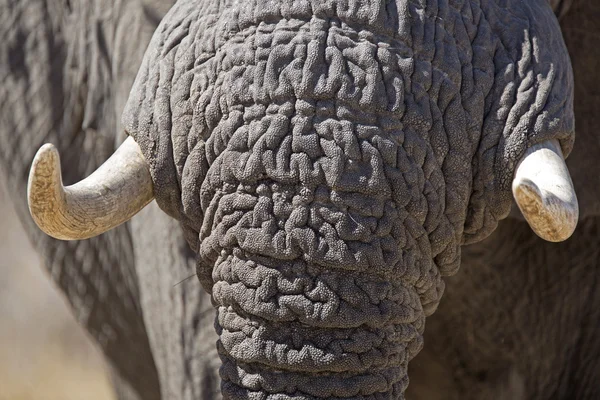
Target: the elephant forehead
(234, 88)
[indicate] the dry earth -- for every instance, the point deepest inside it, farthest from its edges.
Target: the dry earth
(44, 354)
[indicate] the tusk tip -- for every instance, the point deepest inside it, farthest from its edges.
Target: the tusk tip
(45, 152)
(555, 219)
(111, 195)
(44, 187)
(45, 169)
(44, 162)
(544, 192)
(527, 194)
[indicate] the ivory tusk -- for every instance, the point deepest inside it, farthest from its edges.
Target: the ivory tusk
(544, 192)
(114, 193)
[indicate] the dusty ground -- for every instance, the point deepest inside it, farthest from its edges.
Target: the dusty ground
(44, 355)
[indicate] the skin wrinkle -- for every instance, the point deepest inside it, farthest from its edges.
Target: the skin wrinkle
(531, 331)
(577, 336)
(298, 114)
(536, 312)
(56, 99)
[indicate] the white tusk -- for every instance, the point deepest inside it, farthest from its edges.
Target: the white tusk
(544, 192)
(114, 193)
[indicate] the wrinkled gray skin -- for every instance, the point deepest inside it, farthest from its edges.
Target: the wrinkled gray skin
(66, 69)
(520, 319)
(398, 156)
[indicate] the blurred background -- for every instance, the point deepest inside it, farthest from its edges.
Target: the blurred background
(44, 354)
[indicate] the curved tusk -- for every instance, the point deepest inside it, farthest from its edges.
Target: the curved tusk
(544, 192)
(114, 193)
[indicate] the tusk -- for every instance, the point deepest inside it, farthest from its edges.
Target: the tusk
(114, 193)
(544, 192)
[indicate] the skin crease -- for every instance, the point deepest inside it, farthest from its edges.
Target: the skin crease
(64, 82)
(529, 332)
(170, 313)
(323, 209)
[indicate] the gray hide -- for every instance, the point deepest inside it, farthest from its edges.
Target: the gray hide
(66, 69)
(408, 121)
(521, 318)
(326, 161)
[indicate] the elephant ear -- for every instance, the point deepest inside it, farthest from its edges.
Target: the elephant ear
(581, 29)
(531, 102)
(162, 110)
(56, 86)
(580, 26)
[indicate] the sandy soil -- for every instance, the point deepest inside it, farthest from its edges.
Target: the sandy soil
(44, 354)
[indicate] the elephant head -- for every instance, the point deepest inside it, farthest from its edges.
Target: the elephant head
(326, 161)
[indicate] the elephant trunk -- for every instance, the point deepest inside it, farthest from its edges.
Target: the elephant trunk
(320, 292)
(311, 332)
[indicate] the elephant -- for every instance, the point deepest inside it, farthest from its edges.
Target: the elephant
(65, 83)
(519, 320)
(319, 166)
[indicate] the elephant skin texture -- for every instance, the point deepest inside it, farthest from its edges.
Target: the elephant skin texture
(520, 319)
(66, 68)
(326, 161)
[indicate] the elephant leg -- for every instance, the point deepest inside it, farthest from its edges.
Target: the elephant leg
(518, 320)
(56, 87)
(178, 313)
